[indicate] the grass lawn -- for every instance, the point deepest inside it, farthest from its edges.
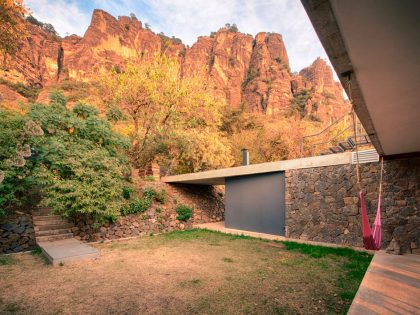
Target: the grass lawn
(189, 272)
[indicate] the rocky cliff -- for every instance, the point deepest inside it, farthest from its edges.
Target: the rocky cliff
(252, 73)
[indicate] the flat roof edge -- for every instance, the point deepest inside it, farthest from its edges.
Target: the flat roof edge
(219, 175)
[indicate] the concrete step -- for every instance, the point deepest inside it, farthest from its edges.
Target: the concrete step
(48, 224)
(47, 218)
(51, 238)
(54, 226)
(68, 250)
(42, 211)
(52, 232)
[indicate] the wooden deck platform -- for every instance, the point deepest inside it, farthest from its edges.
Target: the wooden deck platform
(391, 286)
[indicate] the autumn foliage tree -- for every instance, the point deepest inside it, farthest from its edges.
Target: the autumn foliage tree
(170, 119)
(12, 26)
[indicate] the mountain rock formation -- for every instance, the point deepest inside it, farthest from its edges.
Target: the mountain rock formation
(252, 73)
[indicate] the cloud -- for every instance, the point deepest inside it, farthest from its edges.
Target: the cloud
(188, 19)
(66, 17)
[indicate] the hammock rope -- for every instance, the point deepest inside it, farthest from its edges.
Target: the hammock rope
(371, 239)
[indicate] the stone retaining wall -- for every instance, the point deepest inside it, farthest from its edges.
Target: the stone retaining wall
(322, 203)
(16, 233)
(206, 202)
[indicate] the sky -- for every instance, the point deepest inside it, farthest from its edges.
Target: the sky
(188, 19)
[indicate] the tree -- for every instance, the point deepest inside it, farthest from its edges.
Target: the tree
(17, 136)
(12, 26)
(299, 102)
(76, 160)
(168, 115)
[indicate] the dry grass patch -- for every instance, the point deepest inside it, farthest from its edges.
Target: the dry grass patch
(190, 272)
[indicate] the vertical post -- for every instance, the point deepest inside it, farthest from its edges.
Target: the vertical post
(245, 157)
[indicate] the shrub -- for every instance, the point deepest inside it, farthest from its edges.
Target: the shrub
(149, 178)
(299, 101)
(114, 114)
(127, 192)
(57, 98)
(112, 218)
(85, 111)
(251, 75)
(184, 212)
(80, 162)
(149, 193)
(138, 205)
(27, 91)
(161, 196)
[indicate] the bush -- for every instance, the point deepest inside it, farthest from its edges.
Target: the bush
(138, 205)
(114, 114)
(150, 193)
(27, 91)
(184, 212)
(85, 111)
(161, 196)
(149, 178)
(127, 192)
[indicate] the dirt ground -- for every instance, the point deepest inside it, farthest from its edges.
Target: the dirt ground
(192, 272)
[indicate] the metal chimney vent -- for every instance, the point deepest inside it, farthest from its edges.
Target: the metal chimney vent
(245, 157)
(366, 156)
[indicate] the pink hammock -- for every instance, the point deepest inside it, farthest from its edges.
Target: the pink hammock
(371, 240)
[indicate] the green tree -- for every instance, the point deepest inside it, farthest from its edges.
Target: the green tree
(12, 26)
(169, 116)
(72, 156)
(17, 136)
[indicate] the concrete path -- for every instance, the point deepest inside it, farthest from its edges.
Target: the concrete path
(391, 286)
(67, 250)
(220, 226)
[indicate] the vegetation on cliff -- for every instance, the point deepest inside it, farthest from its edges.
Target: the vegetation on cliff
(12, 26)
(173, 120)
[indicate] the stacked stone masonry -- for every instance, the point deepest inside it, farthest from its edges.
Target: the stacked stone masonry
(322, 203)
(16, 233)
(206, 202)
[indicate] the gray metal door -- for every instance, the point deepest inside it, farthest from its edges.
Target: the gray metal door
(256, 203)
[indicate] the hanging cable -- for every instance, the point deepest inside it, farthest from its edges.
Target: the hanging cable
(354, 131)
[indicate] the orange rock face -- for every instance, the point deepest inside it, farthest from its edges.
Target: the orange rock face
(244, 71)
(327, 94)
(267, 85)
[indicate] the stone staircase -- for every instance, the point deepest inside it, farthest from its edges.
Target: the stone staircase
(49, 227)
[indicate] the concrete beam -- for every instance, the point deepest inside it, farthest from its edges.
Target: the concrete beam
(217, 177)
(323, 19)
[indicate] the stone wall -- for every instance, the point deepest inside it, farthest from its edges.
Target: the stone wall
(322, 203)
(206, 202)
(16, 233)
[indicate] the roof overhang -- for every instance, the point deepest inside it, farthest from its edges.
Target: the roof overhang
(379, 43)
(218, 177)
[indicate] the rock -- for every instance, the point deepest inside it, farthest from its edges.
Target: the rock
(394, 247)
(8, 227)
(241, 69)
